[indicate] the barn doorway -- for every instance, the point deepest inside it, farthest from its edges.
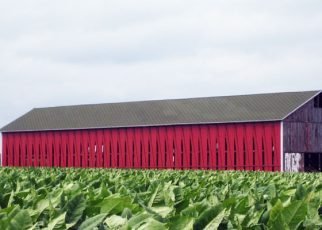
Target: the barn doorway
(313, 162)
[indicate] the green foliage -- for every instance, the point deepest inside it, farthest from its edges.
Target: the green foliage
(92, 222)
(39, 198)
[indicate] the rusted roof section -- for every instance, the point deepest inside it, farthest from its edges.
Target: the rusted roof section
(209, 110)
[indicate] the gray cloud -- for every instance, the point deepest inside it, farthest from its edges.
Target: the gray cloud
(77, 52)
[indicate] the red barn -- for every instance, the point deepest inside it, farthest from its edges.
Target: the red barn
(268, 132)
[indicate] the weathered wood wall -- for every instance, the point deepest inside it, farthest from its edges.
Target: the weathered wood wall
(302, 130)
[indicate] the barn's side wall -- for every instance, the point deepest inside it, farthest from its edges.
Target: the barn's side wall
(244, 146)
(302, 130)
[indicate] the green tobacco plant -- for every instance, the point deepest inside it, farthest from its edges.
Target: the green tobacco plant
(56, 198)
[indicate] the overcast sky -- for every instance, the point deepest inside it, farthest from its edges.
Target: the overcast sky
(78, 52)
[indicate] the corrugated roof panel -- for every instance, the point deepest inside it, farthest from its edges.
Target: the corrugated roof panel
(257, 107)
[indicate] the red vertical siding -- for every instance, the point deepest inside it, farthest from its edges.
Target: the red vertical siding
(268, 150)
(204, 147)
(107, 149)
(154, 148)
(170, 147)
(4, 149)
(79, 149)
(43, 150)
(249, 146)
(240, 151)
(115, 148)
(178, 147)
(29, 149)
(259, 147)
(231, 152)
(23, 149)
(84, 149)
(57, 149)
(195, 147)
(277, 147)
(64, 144)
(222, 147)
(16, 149)
(129, 147)
(99, 153)
(187, 147)
(122, 149)
(50, 149)
(145, 148)
(10, 150)
(71, 149)
(213, 140)
(92, 148)
(138, 148)
(162, 148)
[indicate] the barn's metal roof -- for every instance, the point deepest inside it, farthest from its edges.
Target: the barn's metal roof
(209, 110)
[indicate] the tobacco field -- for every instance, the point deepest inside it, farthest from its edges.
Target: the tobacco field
(149, 199)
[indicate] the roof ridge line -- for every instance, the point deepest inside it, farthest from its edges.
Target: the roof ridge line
(175, 99)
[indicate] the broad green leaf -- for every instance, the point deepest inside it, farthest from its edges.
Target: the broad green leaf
(40, 207)
(172, 194)
(115, 222)
(181, 222)
(58, 222)
(70, 187)
(138, 220)
(135, 199)
(264, 218)
(75, 208)
(154, 196)
(242, 206)
(152, 224)
(162, 211)
(194, 210)
(289, 192)
(295, 214)
(19, 219)
(34, 227)
(214, 224)
(238, 219)
(103, 191)
(92, 222)
(287, 202)
(276, 218)
(271, 191)
(127, 213)
(3, 223)
(313, 223)
(12, 194)
(300, 192)
(207, 216)
(115, 204)
(54, 197)
(253, 218)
